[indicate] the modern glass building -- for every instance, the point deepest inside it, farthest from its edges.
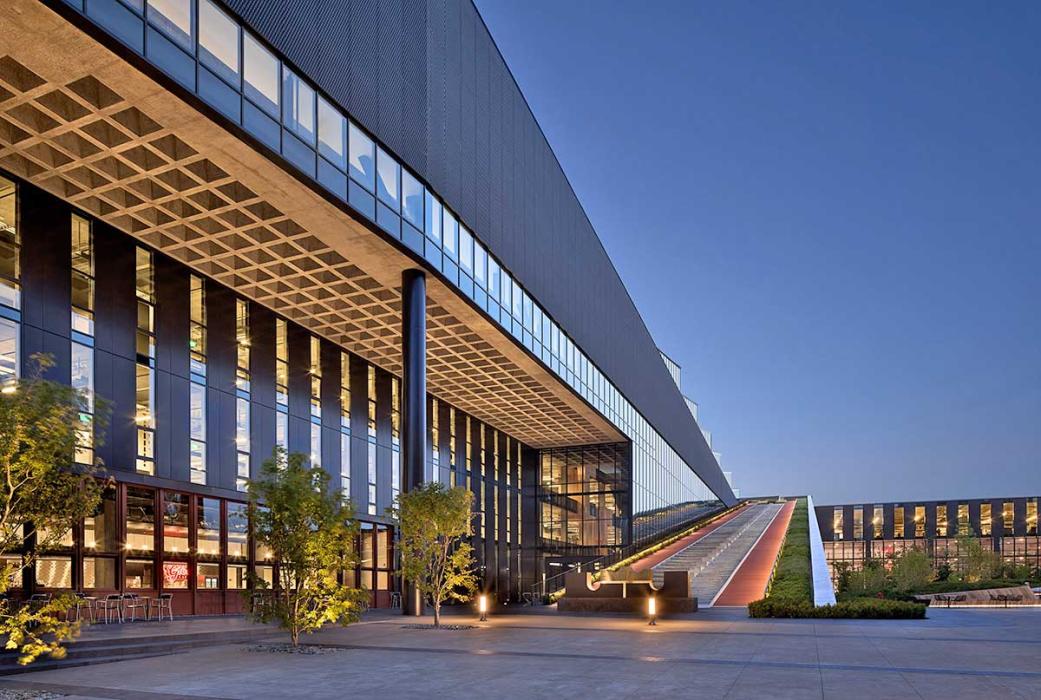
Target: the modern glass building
(335, 227)
(856, 533)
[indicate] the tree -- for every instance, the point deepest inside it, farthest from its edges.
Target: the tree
(434, 523)
(911, 571)
(41, 424)
(870, 580)
(312, 535)
(975, 563)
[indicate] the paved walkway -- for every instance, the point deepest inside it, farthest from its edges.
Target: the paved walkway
(752, 576)
(718, 653)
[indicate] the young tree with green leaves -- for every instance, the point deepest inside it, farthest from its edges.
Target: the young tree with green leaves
(912, 570)
(41, 494)
(312, 535)
(434, 523)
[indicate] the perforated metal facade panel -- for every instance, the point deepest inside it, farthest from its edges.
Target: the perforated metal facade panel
(426, 77)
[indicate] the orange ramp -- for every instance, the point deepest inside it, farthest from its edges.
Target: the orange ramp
(749, 581)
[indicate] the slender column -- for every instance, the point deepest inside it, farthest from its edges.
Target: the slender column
(413, 398)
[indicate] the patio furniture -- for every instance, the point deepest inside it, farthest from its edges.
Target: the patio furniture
(395, 600)
(83, 602)
(112, 603)
(132, 602)
(1005, 598)
(164, 602)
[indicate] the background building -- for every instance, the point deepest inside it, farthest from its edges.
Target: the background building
(232, 220)
(855, 533)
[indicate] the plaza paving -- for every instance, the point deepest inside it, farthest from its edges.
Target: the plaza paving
(717, 653)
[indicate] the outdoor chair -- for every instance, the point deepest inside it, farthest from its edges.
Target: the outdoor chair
(83, 603)
(164, 603)
(112, 603)
(131, 604)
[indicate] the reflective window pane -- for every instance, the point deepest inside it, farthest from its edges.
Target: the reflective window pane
(412, 193)
(218, 42)
(332, 134)
(466, 250)
(433, 218)
(174, 18)
(261, 74)
(362, 158)
(388, 171)
(298, 105)
(450, 235)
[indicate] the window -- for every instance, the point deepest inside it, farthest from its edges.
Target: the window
(8, 353)
(412, 199)
(450, 235)
(919, 521)
(963, 519)
(362, 158)
(99, 530)
(242, 395)
(82, 277)
(480, 261)
(1008, 517)
(986, 520)
(281, 384)
(898, 522)
(837, 524)
(140, 520)
(372, 439)
(99, 573)
(174, 19)
(466, 250)
(332, 134)
(1031, 516)
(388, 171)
(345, 423)
(433, 219)
(941, 520)
(261, 75)
(145, 370)
(82, 374)
(316, 400)
(10, 245)
(54, 572)
(299, 106)
(140, 573)
(197, 431)
(238, 531)
(207, 514)
(395, 437)
(493, 278)
(219, 42)
(197, 390)
(858, 523)
(175, 522)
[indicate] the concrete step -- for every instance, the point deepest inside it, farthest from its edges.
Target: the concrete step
(715, 557)
(105, 650)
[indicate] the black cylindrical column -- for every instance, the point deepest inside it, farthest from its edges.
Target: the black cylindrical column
(413, 398)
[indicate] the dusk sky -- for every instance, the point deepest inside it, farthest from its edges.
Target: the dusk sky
(829, 213)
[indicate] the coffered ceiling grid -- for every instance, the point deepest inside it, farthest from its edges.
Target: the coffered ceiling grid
(83, 141)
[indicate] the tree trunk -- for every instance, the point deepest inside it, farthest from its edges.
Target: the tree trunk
(437, 613)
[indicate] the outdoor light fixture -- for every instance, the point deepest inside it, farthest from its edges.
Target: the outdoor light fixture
(9, 389)
(652, 609)
(482, 606)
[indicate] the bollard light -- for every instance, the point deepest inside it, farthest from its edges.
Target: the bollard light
(482, 606)
(652, 609)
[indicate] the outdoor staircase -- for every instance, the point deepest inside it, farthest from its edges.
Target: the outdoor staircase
(143, 643)
(714, 558)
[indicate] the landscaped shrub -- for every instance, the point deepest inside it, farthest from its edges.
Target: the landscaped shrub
(793, 579)
(791, 592)
(857, 609)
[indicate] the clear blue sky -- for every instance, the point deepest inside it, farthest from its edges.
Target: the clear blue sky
(829, 213)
